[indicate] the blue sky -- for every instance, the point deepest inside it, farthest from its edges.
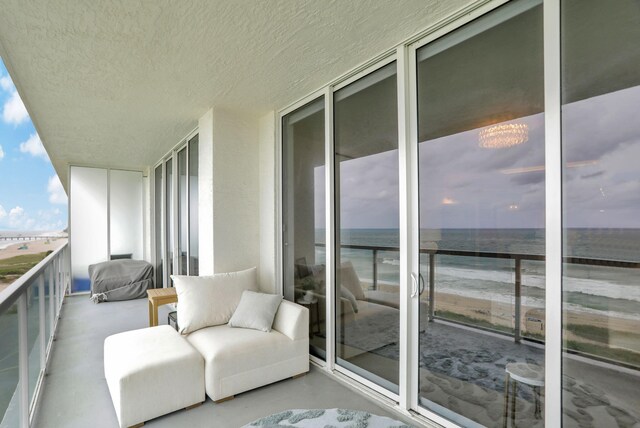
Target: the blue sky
(31, 196)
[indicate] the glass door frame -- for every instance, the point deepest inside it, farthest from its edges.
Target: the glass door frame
(173, 156)
(405, 56)
(331, 196)
(553, 208)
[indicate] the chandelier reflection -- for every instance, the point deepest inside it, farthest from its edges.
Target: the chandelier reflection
(503, 135)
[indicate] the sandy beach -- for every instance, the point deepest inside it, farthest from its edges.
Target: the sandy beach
(33, 247)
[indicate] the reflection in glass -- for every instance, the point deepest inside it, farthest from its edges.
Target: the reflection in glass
(304, 216)
(193, 206)
(158, 226)
(182, 212)
(8, 363)
(482, 214)
(366, 168)
(169, 218)
(601, 188)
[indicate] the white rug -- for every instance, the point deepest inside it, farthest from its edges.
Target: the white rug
(326, 418)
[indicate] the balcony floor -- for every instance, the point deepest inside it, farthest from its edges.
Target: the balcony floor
(76, 394)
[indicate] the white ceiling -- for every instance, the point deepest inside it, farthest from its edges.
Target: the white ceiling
(119, 83)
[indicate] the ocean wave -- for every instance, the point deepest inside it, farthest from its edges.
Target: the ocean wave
(595, 287)
(533, 302)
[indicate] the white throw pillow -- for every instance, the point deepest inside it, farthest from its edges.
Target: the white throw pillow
(205, 301)
(349, 279)
(256, 311)
(346, 294)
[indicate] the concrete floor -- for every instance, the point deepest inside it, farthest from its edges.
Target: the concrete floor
(76, 394)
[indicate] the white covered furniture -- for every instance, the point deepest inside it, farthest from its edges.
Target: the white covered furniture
(240, 359)
(152, 372)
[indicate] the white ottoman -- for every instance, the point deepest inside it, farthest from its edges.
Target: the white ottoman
(152, 372)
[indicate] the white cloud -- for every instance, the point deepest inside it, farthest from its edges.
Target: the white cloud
(45, 220)
(14, 111)
(57, 194)
(16, 212)
(1, 152)
(6, 84)
(34, 147)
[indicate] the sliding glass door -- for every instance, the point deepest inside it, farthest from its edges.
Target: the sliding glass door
(303, 175)
(482, 196)
(176, 213)
(482, 215)
(366, 233)
(601, 204)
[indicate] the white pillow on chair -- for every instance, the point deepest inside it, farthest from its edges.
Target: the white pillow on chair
(205, 301)
(256, 311)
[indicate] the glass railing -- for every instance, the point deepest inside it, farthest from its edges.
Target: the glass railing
(29, 312)
(519, 278)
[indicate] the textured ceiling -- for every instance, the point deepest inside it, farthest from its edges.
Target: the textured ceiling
(118, 83)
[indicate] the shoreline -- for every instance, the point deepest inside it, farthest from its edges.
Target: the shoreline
(33, 247)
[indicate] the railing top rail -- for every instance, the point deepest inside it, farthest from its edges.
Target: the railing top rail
(9, 295)
(496, 255)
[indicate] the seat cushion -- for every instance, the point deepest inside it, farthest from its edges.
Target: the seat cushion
(237, 360)
(205, 301)
(144, 368)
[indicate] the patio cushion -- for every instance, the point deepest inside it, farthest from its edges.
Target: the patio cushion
(144, 369)
(205, 301)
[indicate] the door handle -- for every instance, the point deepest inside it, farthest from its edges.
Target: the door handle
(414, 285)
(422, 287)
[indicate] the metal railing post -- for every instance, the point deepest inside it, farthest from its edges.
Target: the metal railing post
(432, 285)
(42, 321)
(23, 361)
(375, 268)
(516, 330)
(52, 298)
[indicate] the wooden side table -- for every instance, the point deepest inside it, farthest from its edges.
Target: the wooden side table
(158, 297)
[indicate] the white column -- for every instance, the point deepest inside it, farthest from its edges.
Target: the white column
(270, 279)
(205, 193)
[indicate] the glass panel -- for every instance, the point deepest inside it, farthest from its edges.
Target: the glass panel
(158, 226)
(303, 196)
(193, 206)
(601, 148)
(482, 217)
(9, 375)
(48, 287)
(125, 214)
(169, 218)
(88, 206)
(366, 168)
(182, 212)
(33, 335)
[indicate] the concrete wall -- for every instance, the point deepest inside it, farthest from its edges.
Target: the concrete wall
(236, 234)
(237, 198)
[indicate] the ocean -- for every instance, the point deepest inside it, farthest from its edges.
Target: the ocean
(605, 290)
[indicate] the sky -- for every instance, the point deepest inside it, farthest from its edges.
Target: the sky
(31, 195)
(463, 185)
